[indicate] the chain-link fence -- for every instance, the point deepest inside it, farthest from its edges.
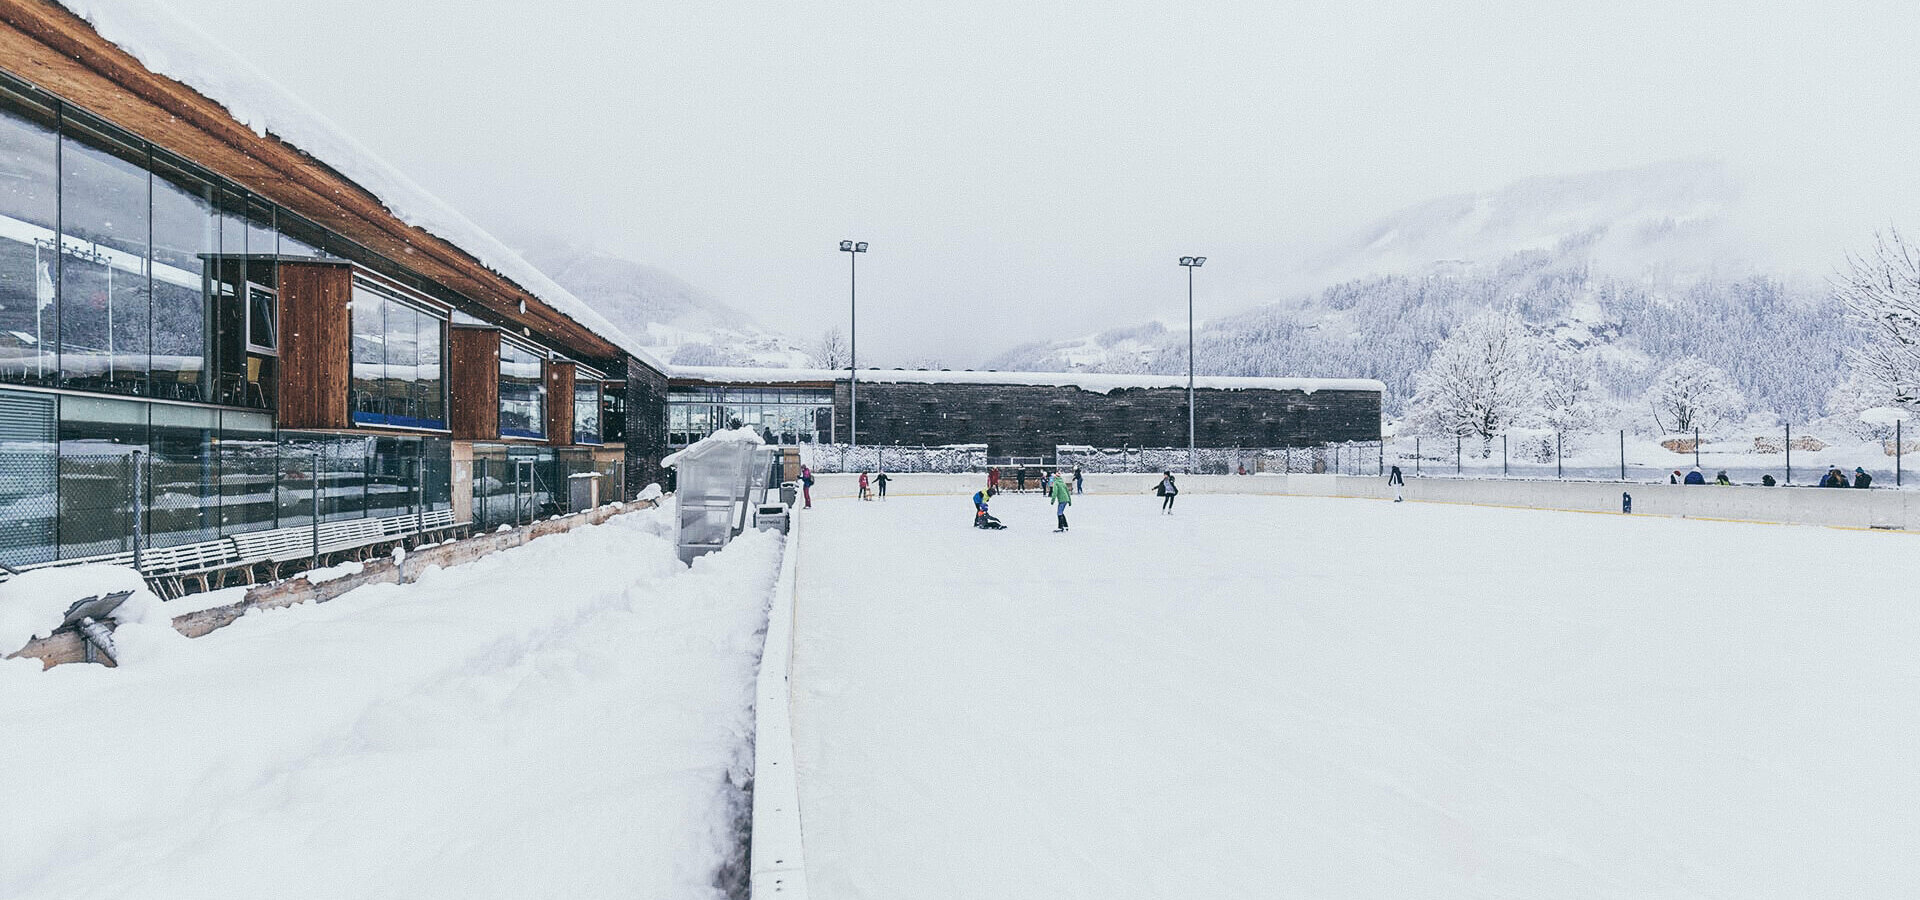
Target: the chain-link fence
(64, 505)
(1788, 455)
(830, 458)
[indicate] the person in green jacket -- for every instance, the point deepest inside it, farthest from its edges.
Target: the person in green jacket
(1062, 498)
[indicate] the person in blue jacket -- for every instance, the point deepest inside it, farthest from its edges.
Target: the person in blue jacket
(1695, 477)
(982, 518)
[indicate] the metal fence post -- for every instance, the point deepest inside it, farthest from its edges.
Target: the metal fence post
(1696, 448)
(1457, 438)
(1559, 454)
(1789, 446)
(1503, 456)
(1623, 454)
(1897, 450)
(420, 476)
(1383, 455)
(313, 475)
(1416, 456)
(138, 484)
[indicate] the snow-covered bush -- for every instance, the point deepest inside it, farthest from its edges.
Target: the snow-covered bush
(1881, 292)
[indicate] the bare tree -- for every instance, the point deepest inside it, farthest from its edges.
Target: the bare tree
(1881, 290)
(830, 352)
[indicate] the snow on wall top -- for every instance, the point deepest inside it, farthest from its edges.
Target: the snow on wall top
(168, 44)
(1086, 381)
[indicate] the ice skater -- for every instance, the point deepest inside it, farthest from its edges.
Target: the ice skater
(880, 482)
(1079, 481)
(806, 485)
(982, 518)
(1396, 482)
(1062, 498)
(1167, 489)
(864, 495)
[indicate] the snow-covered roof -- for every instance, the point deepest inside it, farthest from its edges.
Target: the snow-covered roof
(168, 44)
(1086, 381)
(724, 438)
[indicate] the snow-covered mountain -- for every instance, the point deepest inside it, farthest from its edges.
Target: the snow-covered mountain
(1670, 221)
(1630, 269)
(675, 320)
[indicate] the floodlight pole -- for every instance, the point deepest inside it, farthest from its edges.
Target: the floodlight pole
(853, 249)
(1191, 263)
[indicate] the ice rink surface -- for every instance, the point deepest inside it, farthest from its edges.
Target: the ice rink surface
(1299, 697)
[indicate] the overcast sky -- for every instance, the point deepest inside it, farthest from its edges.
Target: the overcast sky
(1029, 170)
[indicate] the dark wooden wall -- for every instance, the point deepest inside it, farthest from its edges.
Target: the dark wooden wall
(473, 383)
(315, 345)
(646, 422)
(560, 376)
(1031, 420)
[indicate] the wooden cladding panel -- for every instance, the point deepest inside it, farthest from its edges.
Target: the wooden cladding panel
(315, 345)
(560, 403)
(48, 45)
(474, 383)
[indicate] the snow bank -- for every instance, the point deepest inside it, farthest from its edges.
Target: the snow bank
(1086, 381)
(35, 602)
(567, 718)
(170, 45)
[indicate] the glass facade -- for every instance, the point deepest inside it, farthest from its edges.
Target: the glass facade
(144, 291)
(124, 270)
(782, 415)
(523, 391)
(399, 354)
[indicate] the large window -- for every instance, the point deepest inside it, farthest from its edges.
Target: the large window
(586, 411)
(523, 391)
(186, 238)
(398, 349)
(29, 211)
(781, 415)
(104, 320)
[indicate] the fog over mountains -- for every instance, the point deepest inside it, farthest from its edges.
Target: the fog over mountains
(1630, 269)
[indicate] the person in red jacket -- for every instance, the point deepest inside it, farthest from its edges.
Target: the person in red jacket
(993, 478)
(863, 487)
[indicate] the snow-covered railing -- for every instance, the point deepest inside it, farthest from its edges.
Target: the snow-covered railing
(778, 865)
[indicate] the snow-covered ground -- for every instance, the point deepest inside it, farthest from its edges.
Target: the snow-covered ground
(1301, 697)
(568, 718)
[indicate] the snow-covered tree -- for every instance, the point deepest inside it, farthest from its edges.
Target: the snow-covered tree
(1480, 381)
(1569, 399)
(1691, 395)
(830, 351)
(1881, 291)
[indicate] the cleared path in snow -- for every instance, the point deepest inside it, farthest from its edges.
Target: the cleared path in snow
(571, 718)
(1262, 697)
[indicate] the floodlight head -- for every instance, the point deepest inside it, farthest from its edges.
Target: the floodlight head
(860, 247)
(1186, 260)
(846, 246)
(1199, 261)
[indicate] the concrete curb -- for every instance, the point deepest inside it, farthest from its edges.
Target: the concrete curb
(778, 866)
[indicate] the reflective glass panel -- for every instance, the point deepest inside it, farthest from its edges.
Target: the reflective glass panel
(104, 320)
(29, 205)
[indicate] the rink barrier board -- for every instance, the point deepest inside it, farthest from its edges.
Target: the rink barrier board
(1875, 510)
(777, 865)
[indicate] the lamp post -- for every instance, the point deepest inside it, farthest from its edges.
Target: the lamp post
(853, 250)
(1191, 263)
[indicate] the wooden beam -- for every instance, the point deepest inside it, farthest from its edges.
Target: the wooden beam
(473, 356)
(560, 378)
(315, 345)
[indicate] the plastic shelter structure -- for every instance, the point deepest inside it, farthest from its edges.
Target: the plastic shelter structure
(721, 482)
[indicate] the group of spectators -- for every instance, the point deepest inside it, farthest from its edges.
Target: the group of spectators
(1834, 478)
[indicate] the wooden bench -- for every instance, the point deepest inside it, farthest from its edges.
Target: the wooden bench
(274, 548)
(169, 568)
(352, 534)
